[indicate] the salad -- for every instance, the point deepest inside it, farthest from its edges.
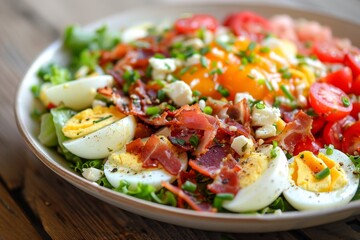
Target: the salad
(248, 115)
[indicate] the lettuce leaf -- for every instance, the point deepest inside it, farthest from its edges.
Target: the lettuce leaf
(47, 134)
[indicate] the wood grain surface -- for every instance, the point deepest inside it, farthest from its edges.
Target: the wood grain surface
(37, 204)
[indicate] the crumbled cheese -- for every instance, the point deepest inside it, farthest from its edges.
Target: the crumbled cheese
(161, 67)
(195, 43)
(242, 145)
(202, 104)
(217, 52)
(208, 37)
(193, 60)
(265, 131)
(179, 92)
(240, 96)
(92, 174)
(266, 116)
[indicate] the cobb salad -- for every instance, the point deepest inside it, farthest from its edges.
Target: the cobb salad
(248, 115)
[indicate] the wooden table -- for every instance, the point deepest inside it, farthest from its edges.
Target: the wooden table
(37, 204)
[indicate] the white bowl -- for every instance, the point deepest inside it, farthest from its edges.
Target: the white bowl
(201, 220)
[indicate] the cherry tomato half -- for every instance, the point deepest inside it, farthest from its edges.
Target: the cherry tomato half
(328, 52)
(248, 24)
(317, 124)
(195, 22)
(333, 131)
(341, 78)
(351, 140)
(356, 86)
(356, 110)
(329, 102)
(354, 63)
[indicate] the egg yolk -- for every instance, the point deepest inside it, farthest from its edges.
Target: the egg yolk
(252, 167)
(90, 120)
(306, 165)
(260, 76)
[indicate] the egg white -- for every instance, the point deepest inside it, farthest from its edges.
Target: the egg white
(77, 94)
(302, 199)
(265, 189)
(103, 142)
(129, 168)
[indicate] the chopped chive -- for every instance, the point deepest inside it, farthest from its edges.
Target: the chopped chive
(224, 45)
(196, 93)
(223, 91)
(159, 55)
(283, 70)
(322, 174)
(220, 198)
(204, 61)
(194, 140)
(265, 50)
(204, 50)
(208, 110)
(193, 70)
(287, 93)
(153, 110)
(269, 85)
(170, 107)
(260, 105)
(215, 71)
(244, 61)
(273, 153)
(189, 186)
(251, 76)
(345, 100)
(329, 149)
(161, 95)
(286, 75)
(183, 71)
(251, 46)
(102, 119)
(178, 141)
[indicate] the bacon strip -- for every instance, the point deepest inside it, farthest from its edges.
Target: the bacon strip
(295, 131)
(191, 201)
(227, 181)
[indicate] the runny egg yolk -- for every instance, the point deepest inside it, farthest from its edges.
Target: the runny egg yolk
(252, 167)
(306, 165)
(90, 120)
(253, 71)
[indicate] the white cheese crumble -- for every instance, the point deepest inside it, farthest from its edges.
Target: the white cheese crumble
(240, 96)
(193, 60)
(265, 131)
(92, 174)
(179, 92)
(195, 43)
(162, 67)
(265, 116)
(242, 145)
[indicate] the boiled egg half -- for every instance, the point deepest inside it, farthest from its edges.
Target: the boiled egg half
(96, 133)
(262, 180)
(126, 166)
(77, 94)
(323, 181)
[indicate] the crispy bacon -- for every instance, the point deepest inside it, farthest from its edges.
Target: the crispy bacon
(227, 181)
(157, 150)
(135, 146)
(209, 163)
(190, 200)
(295, 131)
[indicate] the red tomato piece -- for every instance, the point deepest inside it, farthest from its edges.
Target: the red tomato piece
(356, 86)
(353, 62)
(333, 131)
(356, 110)
(196, 22)
(351, 140)
(247, 23)
(342, 79)
(308, 145)
(328, 52)
(317, 124)
(329, 102)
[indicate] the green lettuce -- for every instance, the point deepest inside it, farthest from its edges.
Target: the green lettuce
(47, 134)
